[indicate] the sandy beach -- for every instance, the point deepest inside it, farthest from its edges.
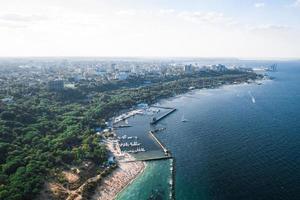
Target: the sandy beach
(118, 180)
(128, 169)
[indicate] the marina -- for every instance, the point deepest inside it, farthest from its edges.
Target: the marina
(143, 146)
(130, 144)
(133, 138)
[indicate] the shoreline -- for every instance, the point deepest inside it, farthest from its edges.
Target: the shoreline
(127, 171)
(129, 183)
(125, 184)
(116, 182)
(256, 81)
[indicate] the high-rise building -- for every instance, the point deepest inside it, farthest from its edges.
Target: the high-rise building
(188, 68)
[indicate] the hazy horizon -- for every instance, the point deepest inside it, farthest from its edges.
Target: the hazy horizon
(250, 29)
(155, 57)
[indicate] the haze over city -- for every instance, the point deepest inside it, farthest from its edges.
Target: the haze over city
(165, 28)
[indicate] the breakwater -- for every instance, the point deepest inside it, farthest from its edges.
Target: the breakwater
(156, 120)
(166, 151)
(173, 171)
(172, 165)
(168, 154)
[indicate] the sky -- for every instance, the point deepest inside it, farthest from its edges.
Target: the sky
(150, 28)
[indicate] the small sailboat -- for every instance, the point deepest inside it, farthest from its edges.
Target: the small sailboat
(183, 119)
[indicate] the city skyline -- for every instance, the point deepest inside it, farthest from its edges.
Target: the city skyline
(248, 29)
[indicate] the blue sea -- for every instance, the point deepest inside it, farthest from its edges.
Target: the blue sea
(153, 183)
(240, 141)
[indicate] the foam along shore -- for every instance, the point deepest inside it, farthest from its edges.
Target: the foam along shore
(128, 169)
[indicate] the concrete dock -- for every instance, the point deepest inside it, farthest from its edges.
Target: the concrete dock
(156, 120)
(166, 151)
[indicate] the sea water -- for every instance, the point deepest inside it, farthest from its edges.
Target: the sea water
(239, 142)
(153, 183)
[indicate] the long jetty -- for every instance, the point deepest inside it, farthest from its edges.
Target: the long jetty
(167, 156)
(156, 158)
(167, 153)
(123, 126)
(163, 107)
(156, 120)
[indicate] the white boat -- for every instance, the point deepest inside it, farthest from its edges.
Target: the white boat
(140, 150)
(124, 144)
(134, 144)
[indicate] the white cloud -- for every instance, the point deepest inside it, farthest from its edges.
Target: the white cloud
(296, 3)
(167, 11)
(259, 5)
(21, 18)
(269, 27)
(207, 18)
(130, 12)
(14, 20)
(9, 25)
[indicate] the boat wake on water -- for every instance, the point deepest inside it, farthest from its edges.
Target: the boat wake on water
(252, 97)
(183, 119)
